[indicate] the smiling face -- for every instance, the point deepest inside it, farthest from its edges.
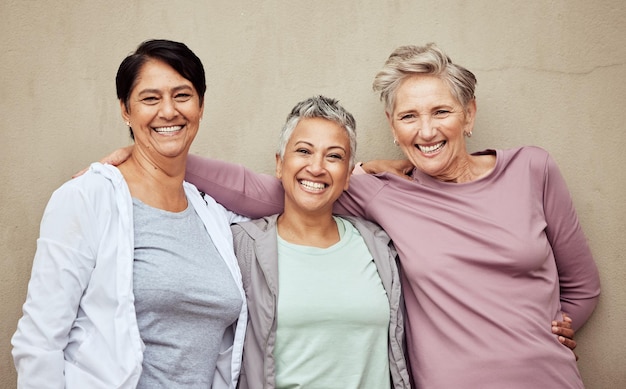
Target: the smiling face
(428, 123)
(315, 167)
(164, 111)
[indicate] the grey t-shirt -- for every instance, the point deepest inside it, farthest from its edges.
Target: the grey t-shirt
(185, 298)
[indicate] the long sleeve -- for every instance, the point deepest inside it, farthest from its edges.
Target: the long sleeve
(61, 270)
(235, 187)
(578, 274)
(256, 195)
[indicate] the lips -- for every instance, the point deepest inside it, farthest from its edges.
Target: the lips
(167, 130)
(432, 148)
(312, 185)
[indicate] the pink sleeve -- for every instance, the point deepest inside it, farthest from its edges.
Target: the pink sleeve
(363, 189)
(255, 195)
(578, 274)
(235, 187)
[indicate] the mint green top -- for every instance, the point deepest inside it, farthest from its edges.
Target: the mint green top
(333, 316)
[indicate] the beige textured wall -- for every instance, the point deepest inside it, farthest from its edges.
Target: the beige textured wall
(551, 73)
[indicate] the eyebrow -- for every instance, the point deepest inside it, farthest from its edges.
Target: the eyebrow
(311, 144)
(175, 89)
(433, 108)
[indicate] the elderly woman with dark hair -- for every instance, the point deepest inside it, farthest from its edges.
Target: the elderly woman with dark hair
(491, 249)
(134, 282)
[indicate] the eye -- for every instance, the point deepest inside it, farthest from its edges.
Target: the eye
(180, 97)
(407, 116)
(303, 151)
(150, 100)
(335, 156)
(442, 113)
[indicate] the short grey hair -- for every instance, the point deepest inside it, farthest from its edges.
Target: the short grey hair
(319, 107)
(407, 61)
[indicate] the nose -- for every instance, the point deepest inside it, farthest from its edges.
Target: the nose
(168, 110)
(316, 164)
(428, 129)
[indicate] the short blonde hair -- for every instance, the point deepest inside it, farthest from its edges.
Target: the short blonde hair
(407, 61)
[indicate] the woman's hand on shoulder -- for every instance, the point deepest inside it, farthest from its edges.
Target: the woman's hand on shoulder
(399, 167)
(115, 158)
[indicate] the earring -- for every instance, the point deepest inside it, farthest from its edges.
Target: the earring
(395, 142)
(467, 133)
(127, 123)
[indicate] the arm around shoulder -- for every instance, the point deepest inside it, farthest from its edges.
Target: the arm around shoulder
(235, 187)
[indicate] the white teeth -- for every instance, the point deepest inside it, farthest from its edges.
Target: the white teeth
(312, 185)
(431, 149)
(162, 130)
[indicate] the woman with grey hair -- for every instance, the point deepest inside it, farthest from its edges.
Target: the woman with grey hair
(490, 246)
(323, 291)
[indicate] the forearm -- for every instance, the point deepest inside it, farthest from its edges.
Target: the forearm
(235, 187)
(255, 195)
(578, 278)
(578, 275)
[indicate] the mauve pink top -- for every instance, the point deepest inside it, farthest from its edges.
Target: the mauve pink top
(487, 265)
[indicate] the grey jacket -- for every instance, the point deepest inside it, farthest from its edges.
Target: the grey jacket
(257, 252)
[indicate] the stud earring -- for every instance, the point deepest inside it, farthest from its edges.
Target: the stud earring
(127, 123)
(395, 142)
(467, 133)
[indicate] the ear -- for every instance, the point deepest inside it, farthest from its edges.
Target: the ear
(279, 167)
(390, 121)
(125, 114)
(470, 115)
(347, 185)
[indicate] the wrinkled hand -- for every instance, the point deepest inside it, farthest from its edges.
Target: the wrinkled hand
(399, 167)
(565, 332)
(115, 158)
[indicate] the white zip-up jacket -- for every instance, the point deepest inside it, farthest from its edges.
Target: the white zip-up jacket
(79, 328)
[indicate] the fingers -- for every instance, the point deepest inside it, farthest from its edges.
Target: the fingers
(566, 317)
(115, 158)
(565, 333)
(566, 325)
(406, 174)
(111, 159)
(563, 329)
(118, 156)
(567, 342)
(80, 173)
(404, 169)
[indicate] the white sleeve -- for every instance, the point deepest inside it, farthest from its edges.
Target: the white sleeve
(63, 263)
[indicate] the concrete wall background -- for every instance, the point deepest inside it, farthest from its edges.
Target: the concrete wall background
(550, 73)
